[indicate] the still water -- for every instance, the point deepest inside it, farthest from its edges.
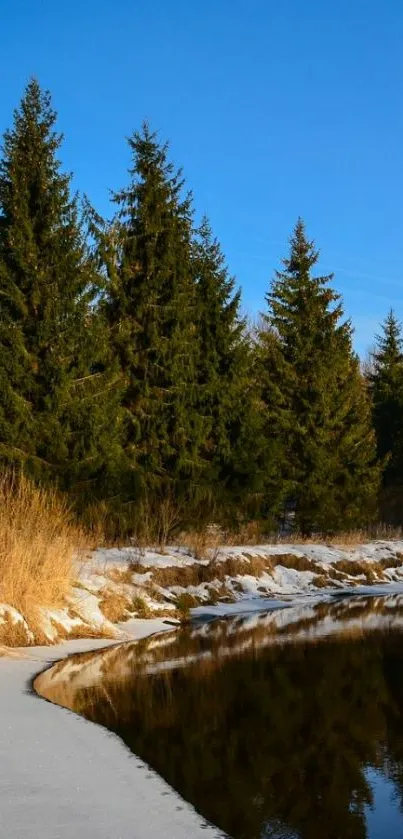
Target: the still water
(282, 725)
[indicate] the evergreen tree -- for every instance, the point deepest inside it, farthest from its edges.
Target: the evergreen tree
(316, 398)
(276, 421)
(227, 397)
(150, 306)
(57, 396)
(386, 384)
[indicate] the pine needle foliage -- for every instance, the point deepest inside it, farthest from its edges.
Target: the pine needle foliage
(56, 392)
(386, 386)
(317, 398)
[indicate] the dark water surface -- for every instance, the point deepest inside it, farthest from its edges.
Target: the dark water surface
(287, 724)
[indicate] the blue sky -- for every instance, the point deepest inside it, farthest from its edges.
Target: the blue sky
(274, 109)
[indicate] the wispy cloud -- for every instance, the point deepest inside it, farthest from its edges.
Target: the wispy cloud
(351, 272)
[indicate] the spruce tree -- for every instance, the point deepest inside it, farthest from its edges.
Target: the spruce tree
(317, 398)
(227, 397)
(150, 307)
(58, 402)
(386, 384)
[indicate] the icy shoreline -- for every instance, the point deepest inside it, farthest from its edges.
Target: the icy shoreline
(61, 776)
(70, 778)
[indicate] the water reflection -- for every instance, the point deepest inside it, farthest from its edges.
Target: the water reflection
(287, 724)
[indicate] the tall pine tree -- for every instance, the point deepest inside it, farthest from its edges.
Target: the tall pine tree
(58, 401)
(317, 399)
(150, 306)
(227, 397)
(386, 384)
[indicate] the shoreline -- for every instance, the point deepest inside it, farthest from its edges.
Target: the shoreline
(71, 778)
(111, 587)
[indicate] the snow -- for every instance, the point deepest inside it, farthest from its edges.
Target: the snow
(127, 573)
(323, 553)
(242, 607)
(70, 778)
(62, 777)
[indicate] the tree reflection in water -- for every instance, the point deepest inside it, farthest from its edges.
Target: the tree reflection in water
(268, 729)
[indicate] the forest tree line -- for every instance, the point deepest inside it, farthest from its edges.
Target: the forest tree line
(130, 380)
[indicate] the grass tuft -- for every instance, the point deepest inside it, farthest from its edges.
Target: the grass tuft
(114, 607)
(38, 539)
(141, 607)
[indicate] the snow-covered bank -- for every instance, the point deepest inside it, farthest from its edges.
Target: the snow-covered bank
(63, 777)
(116, 585)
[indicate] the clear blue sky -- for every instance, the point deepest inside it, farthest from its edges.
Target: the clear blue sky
(274, 109)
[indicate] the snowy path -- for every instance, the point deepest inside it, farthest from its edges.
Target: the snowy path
(62, 777)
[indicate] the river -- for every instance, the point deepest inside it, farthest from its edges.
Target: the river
(279, 725)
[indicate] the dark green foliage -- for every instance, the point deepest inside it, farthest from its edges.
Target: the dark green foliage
(221, 344)
(386, 384)
(127, 374)
(232, 448)
(316, 398)
(150, 307)
(55, 404)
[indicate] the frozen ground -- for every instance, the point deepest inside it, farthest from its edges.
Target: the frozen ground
(64, 778)
(174, 583)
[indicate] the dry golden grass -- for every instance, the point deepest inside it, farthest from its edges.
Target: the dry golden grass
(250, 533)
(219, 569)
(321, 581)
(81, 631)
(114, 606)
(141, 607)
(38, 539)
(119, 575)
(206, 543)
(348, 539)
(14, 635)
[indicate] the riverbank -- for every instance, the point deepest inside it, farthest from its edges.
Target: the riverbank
(63, 777)
(111, 587)
(223, 710)
(69, 777)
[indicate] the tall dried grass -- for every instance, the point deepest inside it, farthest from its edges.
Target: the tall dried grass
(347, 539)
(206, 542)
(38, 538)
